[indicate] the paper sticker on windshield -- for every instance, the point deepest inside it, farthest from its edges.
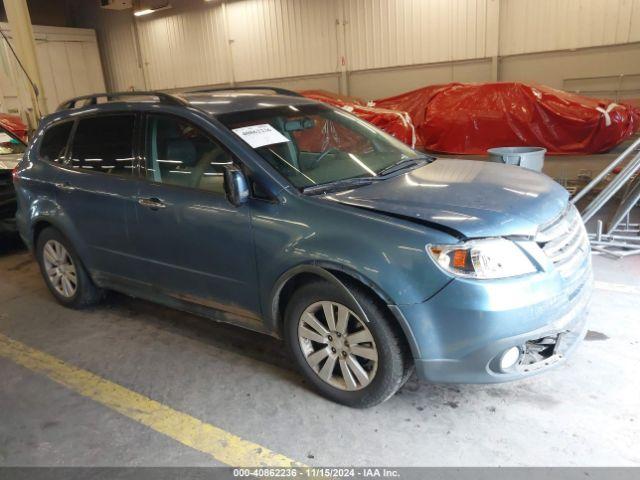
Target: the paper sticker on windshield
(260, 135)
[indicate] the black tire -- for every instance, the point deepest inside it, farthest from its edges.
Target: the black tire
(394, 364)
(87, 293)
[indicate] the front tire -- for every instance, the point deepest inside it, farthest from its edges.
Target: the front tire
(358, 362)
(63, 271)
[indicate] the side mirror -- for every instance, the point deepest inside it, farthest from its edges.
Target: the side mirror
(235, 185)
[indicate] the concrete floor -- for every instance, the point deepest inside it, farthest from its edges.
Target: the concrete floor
(587, 412)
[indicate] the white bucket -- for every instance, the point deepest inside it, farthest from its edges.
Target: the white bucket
(527, 157)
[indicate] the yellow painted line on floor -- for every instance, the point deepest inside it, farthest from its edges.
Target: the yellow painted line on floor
(617, 287)
(220, 444)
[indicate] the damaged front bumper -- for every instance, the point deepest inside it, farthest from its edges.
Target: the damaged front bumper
(463, 332)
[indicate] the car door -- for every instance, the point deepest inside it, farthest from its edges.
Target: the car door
(97, 188)
(191, 242)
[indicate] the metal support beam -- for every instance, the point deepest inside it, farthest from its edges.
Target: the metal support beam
(228, 45)
(341, 37)
(140, 59)
(492, 41)
(25, 47)
(495, 68)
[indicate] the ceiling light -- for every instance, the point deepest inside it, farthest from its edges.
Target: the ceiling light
(152, 7)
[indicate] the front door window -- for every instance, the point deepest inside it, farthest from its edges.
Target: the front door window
(180, 154)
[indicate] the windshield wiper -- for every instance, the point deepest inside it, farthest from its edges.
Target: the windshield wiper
(338, 185)
(405, 163)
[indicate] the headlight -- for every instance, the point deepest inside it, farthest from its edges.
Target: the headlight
(483, 259)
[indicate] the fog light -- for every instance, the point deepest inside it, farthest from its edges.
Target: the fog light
(509, 358)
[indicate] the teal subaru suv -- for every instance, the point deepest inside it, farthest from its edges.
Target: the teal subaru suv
(271, 211)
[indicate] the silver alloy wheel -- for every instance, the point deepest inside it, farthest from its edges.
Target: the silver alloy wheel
(60, 268)
(338, 345)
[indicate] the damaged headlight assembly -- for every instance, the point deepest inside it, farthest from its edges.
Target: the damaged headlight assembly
(482, 259)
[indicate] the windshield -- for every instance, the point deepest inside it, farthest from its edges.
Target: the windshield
(314, 144)
(10, 145)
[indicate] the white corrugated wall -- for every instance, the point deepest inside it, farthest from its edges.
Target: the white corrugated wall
(69, 64)
(270, 39)
(544, 25)
(282, 38)
(119, 53)
(184, 50)
(385, 33)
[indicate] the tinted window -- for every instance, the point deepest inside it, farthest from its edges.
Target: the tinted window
(54, 141)
(104, 144)
(180, 154)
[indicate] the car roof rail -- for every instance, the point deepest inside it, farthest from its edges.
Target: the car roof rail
(92, 99)
(278, 90)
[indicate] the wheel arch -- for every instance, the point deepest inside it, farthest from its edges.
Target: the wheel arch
(39, 223)
(38, 226)
(67, 230)
(342, 277)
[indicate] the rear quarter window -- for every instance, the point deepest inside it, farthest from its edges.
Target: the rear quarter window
(54, 142)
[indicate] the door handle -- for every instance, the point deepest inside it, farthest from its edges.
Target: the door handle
(65, 186)
(152, 203)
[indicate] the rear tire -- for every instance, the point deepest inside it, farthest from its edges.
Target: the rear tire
(358, 362)
(63, 271)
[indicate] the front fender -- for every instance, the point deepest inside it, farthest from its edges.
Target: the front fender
(322, 271)
(325, 270)
(385, 253)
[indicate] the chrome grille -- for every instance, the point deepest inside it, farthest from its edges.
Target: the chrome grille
(565, 241)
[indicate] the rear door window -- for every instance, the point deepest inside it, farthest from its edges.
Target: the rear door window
(104, 144)
(55, 141)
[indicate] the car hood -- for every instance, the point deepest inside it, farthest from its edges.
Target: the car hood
(474, 198)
